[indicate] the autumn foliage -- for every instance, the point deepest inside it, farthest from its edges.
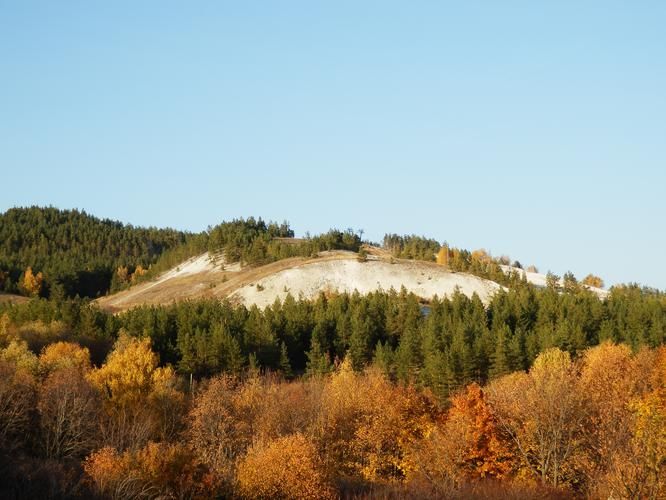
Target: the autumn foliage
(140, 399)
(287, 467)
(593, 425)
(592, 280)
(158, 470)
(485, 449)
(443, 256)
(64, 355)
(32, 283)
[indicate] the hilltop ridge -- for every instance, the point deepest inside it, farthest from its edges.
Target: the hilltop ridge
(50, 252)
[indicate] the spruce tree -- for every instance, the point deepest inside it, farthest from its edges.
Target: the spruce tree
(435, 373)
(285, 365)
(500, 359)
(359, 340)
(318, 361)
(409, 356)
(383, 359)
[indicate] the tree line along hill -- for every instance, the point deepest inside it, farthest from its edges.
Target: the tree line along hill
(48, 252)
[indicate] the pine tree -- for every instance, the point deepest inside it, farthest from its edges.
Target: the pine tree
(409, 356)
(229, 357)
(552, 281)
(187, 363)
(501, 361)
(517, 351)
(359, 340)
(285, 366)
(383, 359)
(234, 356)
(319, 362)
(570, 284)
(435, 373)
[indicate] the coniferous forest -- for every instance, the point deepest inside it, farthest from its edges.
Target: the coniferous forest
(545, 392)
(66, 253)
(75, 253)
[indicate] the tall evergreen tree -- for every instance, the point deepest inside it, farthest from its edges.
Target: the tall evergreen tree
(284, 364)
(501, 358)
(319, 362)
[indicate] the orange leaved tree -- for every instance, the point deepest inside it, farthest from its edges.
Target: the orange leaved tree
(287, 467)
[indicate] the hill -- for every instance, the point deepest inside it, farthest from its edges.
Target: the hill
(64, 253)
(331, 271)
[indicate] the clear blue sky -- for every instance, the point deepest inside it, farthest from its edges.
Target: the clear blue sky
(533, 130)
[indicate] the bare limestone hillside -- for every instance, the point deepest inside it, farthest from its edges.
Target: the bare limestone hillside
(337, 271)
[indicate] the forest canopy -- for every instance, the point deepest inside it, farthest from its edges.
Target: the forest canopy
(76, 253)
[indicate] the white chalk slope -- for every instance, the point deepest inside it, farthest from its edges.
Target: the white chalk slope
(337, 271)
(202, 265)
(308, 280)
(539, 279)
(195, 265)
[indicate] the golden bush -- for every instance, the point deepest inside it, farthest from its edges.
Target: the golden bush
(288, 467)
